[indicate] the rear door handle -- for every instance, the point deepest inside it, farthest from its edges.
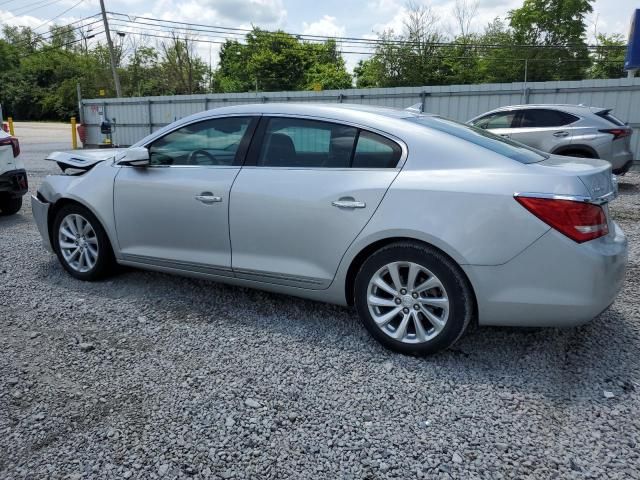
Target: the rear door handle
(208, 198)
(348, 203)
(561, 134)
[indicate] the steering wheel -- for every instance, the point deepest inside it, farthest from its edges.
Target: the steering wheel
(192, 158)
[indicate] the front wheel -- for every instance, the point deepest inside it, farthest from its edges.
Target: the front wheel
(413, 299)
(81, 244)
(10, 206)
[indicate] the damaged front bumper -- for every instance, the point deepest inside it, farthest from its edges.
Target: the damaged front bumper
(40, 211)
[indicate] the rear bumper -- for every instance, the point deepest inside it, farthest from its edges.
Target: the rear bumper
(14, 182)
(40, 212)
(553, 283)
(620, 161)
(624, 169)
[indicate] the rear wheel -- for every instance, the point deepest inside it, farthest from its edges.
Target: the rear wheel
(10, 205)
(413, 299)
(81, 244)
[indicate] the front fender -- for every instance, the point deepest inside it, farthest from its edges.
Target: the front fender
(93, 190)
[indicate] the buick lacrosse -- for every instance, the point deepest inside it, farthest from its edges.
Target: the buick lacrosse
(422, 223)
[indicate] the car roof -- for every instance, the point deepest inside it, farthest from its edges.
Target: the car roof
(329, 110)
(564, 107)
(392, 121)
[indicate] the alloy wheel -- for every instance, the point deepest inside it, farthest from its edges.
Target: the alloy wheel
(78, 243)
(408, 302)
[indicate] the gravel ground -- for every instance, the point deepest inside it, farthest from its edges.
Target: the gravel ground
(153, 376)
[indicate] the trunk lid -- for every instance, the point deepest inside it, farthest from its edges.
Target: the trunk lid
(595, 174)
(83, 159)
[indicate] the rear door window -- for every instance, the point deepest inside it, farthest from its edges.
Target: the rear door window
(301, 143)
(540, 118)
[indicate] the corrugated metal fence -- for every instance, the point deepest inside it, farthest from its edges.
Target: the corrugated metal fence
(137, 117)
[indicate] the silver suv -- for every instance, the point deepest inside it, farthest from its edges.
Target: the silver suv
(572, 130)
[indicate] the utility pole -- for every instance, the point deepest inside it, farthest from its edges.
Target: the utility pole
(112, 57)
(79, 93)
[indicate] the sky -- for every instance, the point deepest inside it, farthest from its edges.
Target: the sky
(352, 18)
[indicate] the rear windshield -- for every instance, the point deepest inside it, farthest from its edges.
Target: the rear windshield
(508, 148)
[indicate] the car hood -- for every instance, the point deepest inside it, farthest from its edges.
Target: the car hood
(83, 159)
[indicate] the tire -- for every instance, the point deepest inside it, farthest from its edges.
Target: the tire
(439, 315)
(91, 245)
(10, 206)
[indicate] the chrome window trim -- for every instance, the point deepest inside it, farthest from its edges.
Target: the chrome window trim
(323, 169)
(403, 146)
(184, 166)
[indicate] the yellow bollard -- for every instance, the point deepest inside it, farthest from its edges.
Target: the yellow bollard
(74, 137)
(11, 132)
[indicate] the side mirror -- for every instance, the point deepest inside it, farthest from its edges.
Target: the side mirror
(134, 157)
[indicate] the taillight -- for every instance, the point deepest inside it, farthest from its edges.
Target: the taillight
(13, 141)
(618, 132)
(580, 221)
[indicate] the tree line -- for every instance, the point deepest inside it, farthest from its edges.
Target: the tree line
(541, 40)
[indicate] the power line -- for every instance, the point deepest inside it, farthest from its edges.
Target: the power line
(242, 31)
(35, 6)
(59, 15)
(6, 1)
(145, 33)
(144, 27)
(57, 47)
(48, 36)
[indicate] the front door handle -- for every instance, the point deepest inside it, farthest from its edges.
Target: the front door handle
(208, 198)
(348, 203)
(561, 134)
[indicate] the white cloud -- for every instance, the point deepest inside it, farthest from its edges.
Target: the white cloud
(325, 26)
(9, 18)
(270, 12)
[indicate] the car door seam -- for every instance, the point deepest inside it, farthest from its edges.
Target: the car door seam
(260, 120)
(363, 227)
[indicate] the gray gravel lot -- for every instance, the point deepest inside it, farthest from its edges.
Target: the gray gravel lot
(153, 376)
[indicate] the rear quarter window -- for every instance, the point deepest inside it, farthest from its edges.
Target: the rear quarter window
(375, 151)
(610, 118)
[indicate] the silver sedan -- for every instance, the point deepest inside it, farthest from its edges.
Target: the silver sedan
(422, 223)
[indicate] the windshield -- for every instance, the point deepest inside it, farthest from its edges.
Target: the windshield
(503, 146)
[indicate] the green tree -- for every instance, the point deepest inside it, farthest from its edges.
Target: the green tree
(184, 72)
(502, 63)
(143, 74)
(558, 28)
(324, 67)
(271, 61)
(608, 57)
(407, 59)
